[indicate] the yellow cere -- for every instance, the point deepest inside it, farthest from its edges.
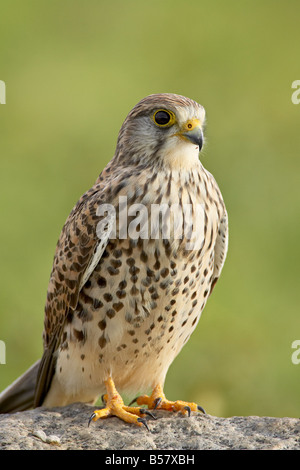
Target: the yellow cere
(191, 124)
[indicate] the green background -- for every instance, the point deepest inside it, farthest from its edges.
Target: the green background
(73, 70)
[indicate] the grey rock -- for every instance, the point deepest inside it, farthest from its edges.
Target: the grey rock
(67, 428)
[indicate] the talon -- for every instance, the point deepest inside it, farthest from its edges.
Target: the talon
(91, 418)
(157, 402)
(133, 401)
(201, 409)
(147, 412)
(114, 406)
(142, 420)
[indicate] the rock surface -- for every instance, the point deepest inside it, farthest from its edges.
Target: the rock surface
(66, 428)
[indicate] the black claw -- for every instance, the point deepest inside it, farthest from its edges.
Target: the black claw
(201, 409)
(102, 398)
(188, 409)
(157, 402)
(133, 401)
(143, 411)
(142, 420)
(91, 418)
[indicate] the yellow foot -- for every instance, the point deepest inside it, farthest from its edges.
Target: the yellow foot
(114, 406)
(157, 400)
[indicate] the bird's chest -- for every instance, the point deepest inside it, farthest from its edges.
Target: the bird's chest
(144, 288)
(149, 288)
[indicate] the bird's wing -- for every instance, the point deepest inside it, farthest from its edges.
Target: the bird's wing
(79, 249)
(221, 247)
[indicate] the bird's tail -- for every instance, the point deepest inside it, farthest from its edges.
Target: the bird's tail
(19, 396)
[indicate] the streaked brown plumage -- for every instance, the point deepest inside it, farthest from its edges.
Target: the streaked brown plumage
(121, 309)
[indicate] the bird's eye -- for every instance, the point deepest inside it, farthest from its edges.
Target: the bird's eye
(164, 118)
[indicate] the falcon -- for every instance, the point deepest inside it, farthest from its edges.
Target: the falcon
(127, 289)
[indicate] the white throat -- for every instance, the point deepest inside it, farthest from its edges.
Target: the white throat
(180, 154)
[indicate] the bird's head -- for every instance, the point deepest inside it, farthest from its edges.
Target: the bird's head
(163, 130)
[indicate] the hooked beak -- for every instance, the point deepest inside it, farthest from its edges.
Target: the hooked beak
(192, 132)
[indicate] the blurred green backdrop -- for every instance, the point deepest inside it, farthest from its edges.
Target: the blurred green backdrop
(73, 70)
